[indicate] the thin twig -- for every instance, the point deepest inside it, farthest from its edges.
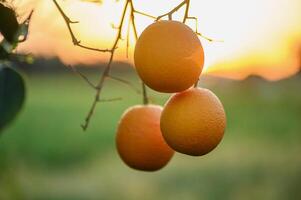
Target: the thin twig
(85, 78)
(195, 22)
(196, 83)
(128, 38)
(129, 84)
(110, 100)
(132, 16)
(74, 40)
(200, 34)
(106, 71)
(145, 98)
(173, 10)
(207, 38)
(186, 11)
(144, 14)
(26, 24)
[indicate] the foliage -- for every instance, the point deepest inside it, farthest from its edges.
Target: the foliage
(12, 86)
(12, 94)
(8, 23)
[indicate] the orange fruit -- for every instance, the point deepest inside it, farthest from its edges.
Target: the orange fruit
(193, 122)
(169, 56)
(139, 139)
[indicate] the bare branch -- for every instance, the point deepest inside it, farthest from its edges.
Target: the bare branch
(83, 77)
(134, 27)
(93, 1)
(106, 71)
(128, 38)
(196, 23)
(27, 20)
(125, 82)
(186, 11)
(74, 40)
(196, 83)
(93, 49)
(110, 100)
(145, 97)
(200, 34)
(132, 19)
(132, 16)
(169, 14)
(207, 38)
(144, 14)
(26, 24)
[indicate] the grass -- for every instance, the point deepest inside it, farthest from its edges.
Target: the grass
(45, 155)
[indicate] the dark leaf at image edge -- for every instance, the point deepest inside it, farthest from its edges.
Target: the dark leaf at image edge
(12, 95)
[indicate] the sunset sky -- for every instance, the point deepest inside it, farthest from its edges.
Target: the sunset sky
(260, 37)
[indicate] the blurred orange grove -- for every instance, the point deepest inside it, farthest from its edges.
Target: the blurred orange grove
(260, 37)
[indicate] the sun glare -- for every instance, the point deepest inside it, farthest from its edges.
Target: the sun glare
(258, 36)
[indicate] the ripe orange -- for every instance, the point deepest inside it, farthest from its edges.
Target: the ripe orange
(169, 56)
(139, 140)
(193, 122)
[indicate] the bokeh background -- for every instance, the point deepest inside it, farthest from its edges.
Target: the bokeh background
(44, 154)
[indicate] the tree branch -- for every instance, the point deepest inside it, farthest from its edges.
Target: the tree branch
(110, 100)
(144, 14)
(169, 14)
(83, 77)
(26, 25)
(200, 34)
(106, 71)
(186, 11)
(132, 20)
(145, 97)
(74, 40)
(125, 82)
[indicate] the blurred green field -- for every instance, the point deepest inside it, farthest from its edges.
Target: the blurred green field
(45, 155)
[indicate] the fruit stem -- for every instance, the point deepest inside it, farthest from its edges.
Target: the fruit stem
(186, 11)
(106, 73)
(196, 83)
(145, 98)
(172, 11)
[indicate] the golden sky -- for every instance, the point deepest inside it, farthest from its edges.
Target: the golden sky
(260, 37)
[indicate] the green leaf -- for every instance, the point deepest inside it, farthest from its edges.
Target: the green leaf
(12, 95)
(3, 53)
(8, 23)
